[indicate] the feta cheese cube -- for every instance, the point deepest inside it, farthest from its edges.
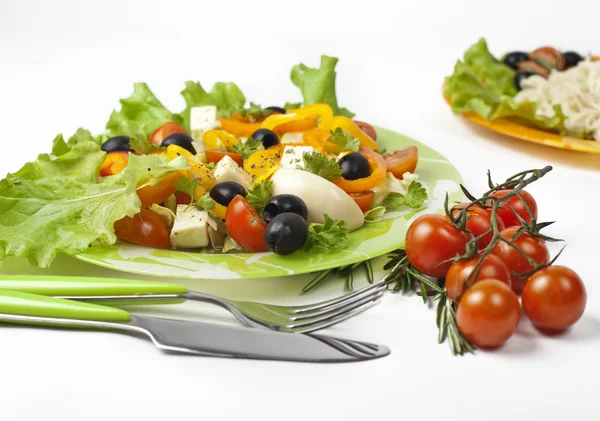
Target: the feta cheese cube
(190, 229)
(292, 156)
(228, 170)
(203, 119)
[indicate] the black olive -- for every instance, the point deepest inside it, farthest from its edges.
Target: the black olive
(513, 59)
(276, 109)
(571, 59)
(355, 166)
(284, 203)
(521, 76)
(286, 233)
(117, 143)
(223, 193)
(180, 139)
(267, 137)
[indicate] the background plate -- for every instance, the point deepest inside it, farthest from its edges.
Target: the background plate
(436, 173)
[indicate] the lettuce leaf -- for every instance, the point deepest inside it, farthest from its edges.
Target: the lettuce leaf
(318, 85)
(483, 85)
(228, 98)
(142, 111)
(60, 146)
(56, 204)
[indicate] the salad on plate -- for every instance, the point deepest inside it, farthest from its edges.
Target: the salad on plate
(555, 92)
(221, 176)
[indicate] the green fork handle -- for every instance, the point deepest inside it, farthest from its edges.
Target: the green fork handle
(17, 303)
(81, 286)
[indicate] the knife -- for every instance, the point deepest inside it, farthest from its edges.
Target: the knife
(188, 337)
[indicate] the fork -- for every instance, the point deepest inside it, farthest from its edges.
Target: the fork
(295, 319)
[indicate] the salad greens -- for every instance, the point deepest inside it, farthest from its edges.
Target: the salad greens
(483, 85)
(259, 194)
(345, 141)
(320, 165)
(330, 235)
(415, 197)
(56, 204)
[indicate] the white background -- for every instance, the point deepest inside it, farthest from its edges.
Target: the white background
(65, 64)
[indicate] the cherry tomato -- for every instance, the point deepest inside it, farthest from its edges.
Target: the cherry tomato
(245, 225)
(488, 313)
(114, 163)
(160, 191)
(554, 298)
(183, 198)
(401, 161)
(533, 247)
(463, 271)
(505, 211)
(217, 154)
(378, 171)
(146, 228)
(367, 129)
(166, 130)
(478, 222)
(430, 240)
(363, 199)
(548, 56)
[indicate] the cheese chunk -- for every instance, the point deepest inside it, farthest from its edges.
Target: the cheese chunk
(190, 229)
(292, 156)
(228, 170)
(203, 119)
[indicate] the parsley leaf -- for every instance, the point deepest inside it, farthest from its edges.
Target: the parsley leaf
(140, 144)
(415, 197)
(208, 204)
(255, 112)
(345, 141)
(320, 165)
(248, 147)
(258, 194)
(186, 185)
(331, 235)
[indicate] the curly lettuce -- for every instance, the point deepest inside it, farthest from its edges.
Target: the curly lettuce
(483, 85)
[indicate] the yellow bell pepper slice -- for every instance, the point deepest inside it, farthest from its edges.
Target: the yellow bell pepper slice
(324, 112)
(220, 210)
(174, 151)
(197, 169)
(352, 129)
(217, 139)
(261, 161)
(266, 175)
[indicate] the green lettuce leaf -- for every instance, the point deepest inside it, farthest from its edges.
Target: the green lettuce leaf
(318, 85)
(228, 98)
(56, 204)
(483, 85)
(141, 112)
(60, 146)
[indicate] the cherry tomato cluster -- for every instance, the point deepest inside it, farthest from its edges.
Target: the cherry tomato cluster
(488, 251)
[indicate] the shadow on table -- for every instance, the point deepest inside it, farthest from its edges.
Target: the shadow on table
(552, 155)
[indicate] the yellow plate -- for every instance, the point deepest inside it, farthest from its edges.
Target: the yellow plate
(519, 131)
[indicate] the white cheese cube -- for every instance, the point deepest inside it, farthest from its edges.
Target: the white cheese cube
(228, 170)
(291, 137)
(292, 156)
(203, 119)
(190, 229)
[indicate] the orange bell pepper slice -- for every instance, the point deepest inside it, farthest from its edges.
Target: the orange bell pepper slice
(237, 127)
(378, 172)
(160, 191)
(317, 138)
(114, 163)
(352, 129)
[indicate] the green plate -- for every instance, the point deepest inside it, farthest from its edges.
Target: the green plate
(436, 173)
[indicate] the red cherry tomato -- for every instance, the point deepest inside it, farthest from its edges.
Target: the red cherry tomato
(363, 199)
(401, 161)
(462, 272)
(160, 191)
(554, 298)
(488, 313)
(366, 129)
(430, 240)
(505, 211)
(166, 130)
(478, 222)
(533, 247)
(245, 225)
(216, 155)
(146, 228)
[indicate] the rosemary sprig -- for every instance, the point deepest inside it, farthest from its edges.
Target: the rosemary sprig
(346, 272)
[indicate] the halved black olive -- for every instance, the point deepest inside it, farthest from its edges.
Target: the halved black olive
(276, 109)
(515, 58)
(180, 139)
(223, 193)
(117, 143)
(267, 137)
(286, 233)
(355, 166)
(284, 203)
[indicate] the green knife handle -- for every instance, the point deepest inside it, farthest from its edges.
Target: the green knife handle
(32, 305)
(86, 286)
